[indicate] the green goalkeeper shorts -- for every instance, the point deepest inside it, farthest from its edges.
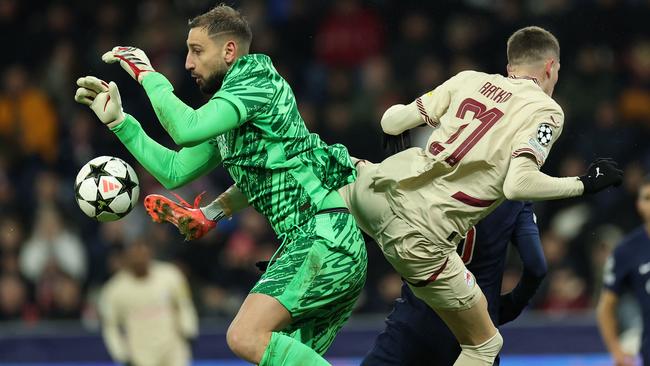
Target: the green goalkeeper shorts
(318, 276)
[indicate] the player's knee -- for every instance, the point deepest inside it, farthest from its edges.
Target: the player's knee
(240, 341)
(485, 352)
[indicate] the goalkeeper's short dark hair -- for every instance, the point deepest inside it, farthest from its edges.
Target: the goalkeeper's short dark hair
(223, 19)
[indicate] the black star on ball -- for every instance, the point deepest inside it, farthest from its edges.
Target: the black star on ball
(127, 184)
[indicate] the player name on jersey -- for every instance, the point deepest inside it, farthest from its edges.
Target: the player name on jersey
(495, 93)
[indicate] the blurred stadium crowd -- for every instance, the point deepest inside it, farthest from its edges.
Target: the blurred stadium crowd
(347, 60)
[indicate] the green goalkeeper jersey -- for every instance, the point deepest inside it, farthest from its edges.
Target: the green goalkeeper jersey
(285, 171)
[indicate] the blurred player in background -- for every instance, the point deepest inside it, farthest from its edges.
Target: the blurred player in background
(415, 335)
(251, 125)
(491, 136)
(628, 269)
(147, 313)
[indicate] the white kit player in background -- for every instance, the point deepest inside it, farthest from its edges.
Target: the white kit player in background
(491, 136)
(148, 318)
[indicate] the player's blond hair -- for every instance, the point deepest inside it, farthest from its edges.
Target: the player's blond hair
(531, 45)
(221, 20)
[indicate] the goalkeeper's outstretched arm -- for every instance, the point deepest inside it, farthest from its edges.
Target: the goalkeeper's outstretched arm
(188, 126)
(171, 168)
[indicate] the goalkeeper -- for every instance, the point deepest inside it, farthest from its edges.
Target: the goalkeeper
(251, 125)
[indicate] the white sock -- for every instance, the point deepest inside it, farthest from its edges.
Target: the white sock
(213, 211)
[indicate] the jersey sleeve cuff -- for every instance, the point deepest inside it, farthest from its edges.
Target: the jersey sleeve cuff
(154, 80)
(124, 129)
(235, 101)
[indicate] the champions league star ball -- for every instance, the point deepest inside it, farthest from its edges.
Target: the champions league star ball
(106, 188)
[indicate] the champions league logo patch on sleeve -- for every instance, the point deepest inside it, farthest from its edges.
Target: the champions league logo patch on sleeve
(544, 134)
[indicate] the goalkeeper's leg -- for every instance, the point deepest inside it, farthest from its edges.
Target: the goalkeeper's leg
(252, 335)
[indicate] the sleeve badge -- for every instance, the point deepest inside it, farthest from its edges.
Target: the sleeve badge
(544, 134)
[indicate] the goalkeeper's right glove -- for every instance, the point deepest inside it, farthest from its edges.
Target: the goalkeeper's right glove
(602, 173)
(104, 99)
(395, 143)
(132, 59)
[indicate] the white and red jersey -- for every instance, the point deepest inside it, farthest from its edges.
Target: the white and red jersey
(155, 313)
(481, 122)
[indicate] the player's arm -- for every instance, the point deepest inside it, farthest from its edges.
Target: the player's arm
(526, 238)
(608, 323)
(113, 338)
(531, 146)
(614, 280)
(188, 126)
(245, 92)
(426, 109)
(525, 182)
(171, 168)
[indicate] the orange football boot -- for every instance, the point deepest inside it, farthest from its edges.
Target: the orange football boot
(189, 219)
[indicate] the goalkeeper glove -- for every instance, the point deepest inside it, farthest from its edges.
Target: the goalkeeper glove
(132, 59)
(104, 99)
(395, 143)
(602, 173)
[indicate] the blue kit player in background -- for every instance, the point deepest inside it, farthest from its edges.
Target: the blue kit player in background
(628, 269)
(415, 335)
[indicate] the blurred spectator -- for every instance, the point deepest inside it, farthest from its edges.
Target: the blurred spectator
(348, 35)
(66, 298)
(606, 237)
(28, 121)
(566, 293)
(14, 299)
(11, 240)
(635, 98)
(52, 249)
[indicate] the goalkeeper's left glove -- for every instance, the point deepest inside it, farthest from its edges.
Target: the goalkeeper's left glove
(104, 99)
(132, 59)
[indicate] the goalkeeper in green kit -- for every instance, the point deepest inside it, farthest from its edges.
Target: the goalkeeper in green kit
(251, 125)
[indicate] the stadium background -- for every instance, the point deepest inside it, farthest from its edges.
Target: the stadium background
(347, 61)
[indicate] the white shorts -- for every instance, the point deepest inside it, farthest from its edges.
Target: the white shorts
(435, 274)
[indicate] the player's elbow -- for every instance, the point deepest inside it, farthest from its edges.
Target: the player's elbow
(389, 129)
(538, 271)
(512, 192)
(183, 142)
(182, 139)
(185, 136)
(388, 120)
(514, 188)
(171, 183)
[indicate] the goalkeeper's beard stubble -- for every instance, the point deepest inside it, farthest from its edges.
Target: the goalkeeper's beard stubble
(213, 82)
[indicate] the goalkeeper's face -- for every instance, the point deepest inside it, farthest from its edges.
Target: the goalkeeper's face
(208, 59)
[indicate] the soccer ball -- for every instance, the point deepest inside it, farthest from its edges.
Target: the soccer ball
(106, 188)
